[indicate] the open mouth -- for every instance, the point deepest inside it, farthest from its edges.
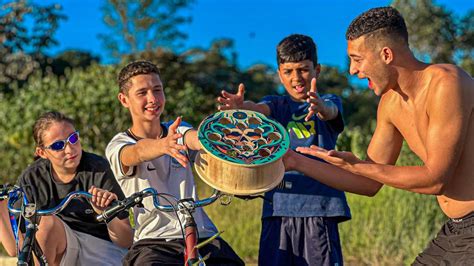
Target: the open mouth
(371, 85)
(299, 88)
(152, 109)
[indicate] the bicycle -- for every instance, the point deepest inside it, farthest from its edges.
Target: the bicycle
(32, 216)
(184, 206)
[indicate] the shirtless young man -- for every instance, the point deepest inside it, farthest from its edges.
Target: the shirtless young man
(428, 105)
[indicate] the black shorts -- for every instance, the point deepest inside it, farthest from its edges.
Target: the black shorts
(454, 244)
(162, 252)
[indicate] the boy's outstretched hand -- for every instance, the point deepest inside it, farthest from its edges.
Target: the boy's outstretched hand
(170, 144)
(231, 101)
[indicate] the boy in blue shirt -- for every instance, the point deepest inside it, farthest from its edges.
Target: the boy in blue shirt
(300, 225)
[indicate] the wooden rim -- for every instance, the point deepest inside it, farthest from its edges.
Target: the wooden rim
(204, 162)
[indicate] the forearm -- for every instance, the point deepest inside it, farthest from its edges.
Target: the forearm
(191, 140)
(7, 238)
(329, 111)
(412, 178)
(257, 107)
(335, 177)
(141, 152)
(120, 232)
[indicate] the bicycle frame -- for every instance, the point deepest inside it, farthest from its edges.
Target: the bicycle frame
(184, 206)
(33, 216)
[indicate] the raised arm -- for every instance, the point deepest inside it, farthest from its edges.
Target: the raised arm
(384, 148)
(449, 107)
(149, 149)
(330, 175)
(229, 101)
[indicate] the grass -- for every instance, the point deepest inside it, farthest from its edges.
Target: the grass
(388, 229)
(240, 221)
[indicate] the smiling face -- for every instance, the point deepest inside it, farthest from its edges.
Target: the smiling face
(62, 161)
(368, 62)
(144, 98)
(296, 78)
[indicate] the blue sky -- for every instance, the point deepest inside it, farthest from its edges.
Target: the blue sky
(256, 26)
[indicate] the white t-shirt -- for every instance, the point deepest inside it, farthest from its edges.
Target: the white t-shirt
(165, 175)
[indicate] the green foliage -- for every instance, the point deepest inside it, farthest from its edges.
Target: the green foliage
(189, 102)
(88, 96)
(356, 139)
(390, 228)
(22, 44)
(210, 71)
(466, 42)
(436, 34)
(68, 59)
(143, 25)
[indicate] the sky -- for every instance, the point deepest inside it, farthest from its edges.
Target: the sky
(256, 26)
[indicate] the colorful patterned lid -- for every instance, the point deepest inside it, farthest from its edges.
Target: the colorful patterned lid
(243, 137)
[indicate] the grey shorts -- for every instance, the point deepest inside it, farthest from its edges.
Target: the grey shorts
(85, 249)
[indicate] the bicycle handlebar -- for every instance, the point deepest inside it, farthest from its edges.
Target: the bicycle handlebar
(15, 192)
(137, 197)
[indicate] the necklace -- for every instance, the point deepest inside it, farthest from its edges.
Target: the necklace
(163, 129)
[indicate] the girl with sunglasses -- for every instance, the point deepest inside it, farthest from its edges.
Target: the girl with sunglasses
(73, 237)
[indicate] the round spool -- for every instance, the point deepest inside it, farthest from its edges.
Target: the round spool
(242, 152)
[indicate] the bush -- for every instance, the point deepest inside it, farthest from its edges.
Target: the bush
(89, 97)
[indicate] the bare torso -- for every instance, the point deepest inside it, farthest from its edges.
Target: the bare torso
(412, 120)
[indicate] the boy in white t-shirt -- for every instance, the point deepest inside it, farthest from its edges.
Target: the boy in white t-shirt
(155, 154)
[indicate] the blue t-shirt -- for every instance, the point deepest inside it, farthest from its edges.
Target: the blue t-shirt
(299, 195)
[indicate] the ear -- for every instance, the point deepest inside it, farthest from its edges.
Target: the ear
(41, 153)
(123, 99)
(386, 54)
(279, 74)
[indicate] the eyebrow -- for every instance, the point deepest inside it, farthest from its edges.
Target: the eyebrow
(355, 55)
(296, 67)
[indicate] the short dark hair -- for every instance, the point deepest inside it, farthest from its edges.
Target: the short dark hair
(296, 48)
(140, 67)
(386, 21)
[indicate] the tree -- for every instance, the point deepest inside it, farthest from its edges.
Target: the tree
(143, 25)
(68, 59)
(205, 72)
(436, 34)
(26, 30)
(466, 42)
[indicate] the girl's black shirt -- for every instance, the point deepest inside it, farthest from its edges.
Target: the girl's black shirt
(41, 188)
